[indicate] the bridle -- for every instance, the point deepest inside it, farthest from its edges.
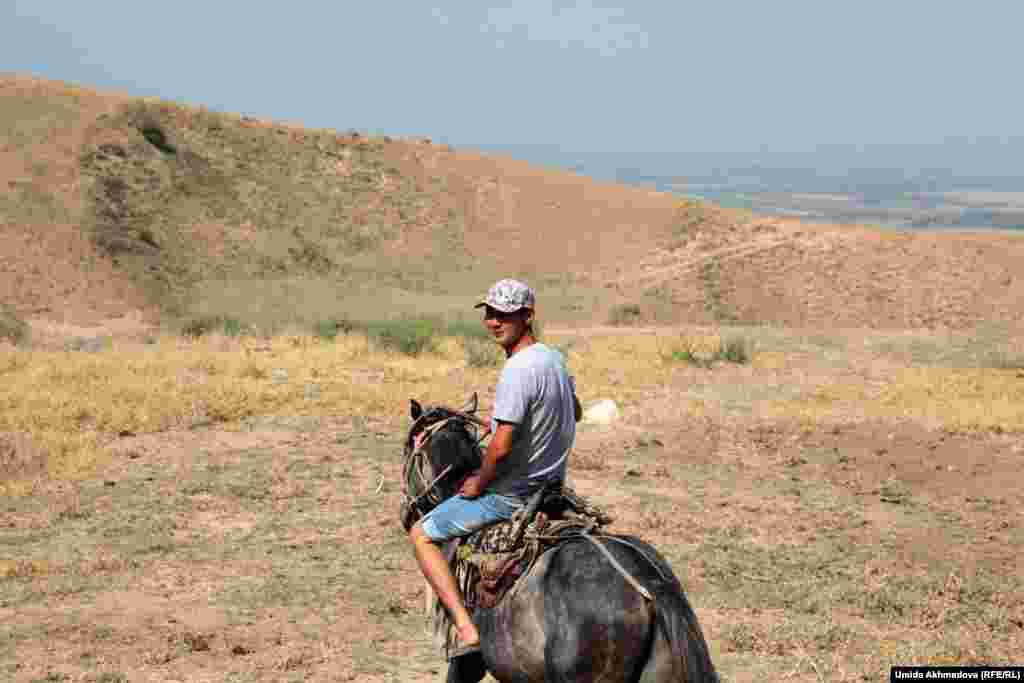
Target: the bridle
(416, 460)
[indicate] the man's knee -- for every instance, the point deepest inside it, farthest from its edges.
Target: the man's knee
(418, 536)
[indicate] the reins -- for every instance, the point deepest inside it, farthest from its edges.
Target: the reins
(416, 460)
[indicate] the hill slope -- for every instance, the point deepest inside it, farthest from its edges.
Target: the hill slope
(117, 206)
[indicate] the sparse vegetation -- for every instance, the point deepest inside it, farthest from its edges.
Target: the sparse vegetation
(704, 353)
(461, 328)
(410, 336)
(715, 301)
(289, 202)
(481, 353)
(197, 327)
(735, 349)
(753, 554)
(12, 327)
(52, 677)
(330, 328)
(624, 314)
(689, 217)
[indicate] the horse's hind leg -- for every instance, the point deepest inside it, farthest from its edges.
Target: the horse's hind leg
(467, 669)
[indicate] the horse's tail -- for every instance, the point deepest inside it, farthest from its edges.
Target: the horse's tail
(677, 623)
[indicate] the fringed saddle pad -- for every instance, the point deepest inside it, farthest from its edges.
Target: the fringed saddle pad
(488, 563)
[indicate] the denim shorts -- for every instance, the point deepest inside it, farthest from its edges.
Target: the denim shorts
(460, 516)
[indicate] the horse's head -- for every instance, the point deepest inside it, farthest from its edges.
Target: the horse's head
(440, 450)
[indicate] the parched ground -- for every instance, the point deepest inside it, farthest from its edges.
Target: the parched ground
(818, 537)
(845, 499)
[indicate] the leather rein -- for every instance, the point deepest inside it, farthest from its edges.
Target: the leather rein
(416, 457)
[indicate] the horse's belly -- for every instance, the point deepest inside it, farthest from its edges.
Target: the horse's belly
(513, 632)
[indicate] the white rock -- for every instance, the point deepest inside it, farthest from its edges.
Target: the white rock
(602, 412)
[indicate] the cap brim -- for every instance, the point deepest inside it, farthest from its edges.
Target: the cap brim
(499, 308)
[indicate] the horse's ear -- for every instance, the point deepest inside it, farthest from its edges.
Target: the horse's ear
(470, 406)
(415, 409)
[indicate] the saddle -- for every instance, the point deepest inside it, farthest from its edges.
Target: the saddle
(488, 564)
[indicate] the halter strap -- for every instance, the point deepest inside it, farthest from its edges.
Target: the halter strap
(416, 456)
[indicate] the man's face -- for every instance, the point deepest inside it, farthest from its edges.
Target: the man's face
(507, 328)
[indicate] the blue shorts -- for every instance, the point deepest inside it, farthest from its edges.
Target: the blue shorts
(460, 516)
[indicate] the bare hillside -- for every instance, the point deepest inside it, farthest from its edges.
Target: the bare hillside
(117, 206)
(723, 267)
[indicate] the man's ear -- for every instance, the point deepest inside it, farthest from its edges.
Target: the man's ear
(415, 409)
(470, 405)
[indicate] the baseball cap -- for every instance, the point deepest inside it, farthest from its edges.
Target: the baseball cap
(509, 296)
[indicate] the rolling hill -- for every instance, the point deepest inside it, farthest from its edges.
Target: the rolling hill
(126, 209)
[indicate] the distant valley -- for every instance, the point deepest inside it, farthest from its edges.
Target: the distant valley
(957, 185)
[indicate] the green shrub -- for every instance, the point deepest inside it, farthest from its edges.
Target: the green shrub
(467, 329)
(624, 314)
(1003, 359)
(683, 352)
(411, 336)
(112, 677)
(12, 328)
(329, 329)
(198, 327)
(52, 677)
(735, 350)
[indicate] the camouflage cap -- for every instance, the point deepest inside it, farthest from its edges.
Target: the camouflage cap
(509, 296)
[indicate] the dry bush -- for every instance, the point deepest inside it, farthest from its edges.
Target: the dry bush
(704, 351)
(625, 314)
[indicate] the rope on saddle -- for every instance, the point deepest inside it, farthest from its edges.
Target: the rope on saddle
(630, 579)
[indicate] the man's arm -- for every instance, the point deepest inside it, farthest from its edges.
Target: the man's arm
(499, 447)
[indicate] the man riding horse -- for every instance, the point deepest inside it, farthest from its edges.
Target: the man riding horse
(533, 426)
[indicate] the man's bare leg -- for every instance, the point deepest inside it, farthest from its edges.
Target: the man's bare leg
(439, 576)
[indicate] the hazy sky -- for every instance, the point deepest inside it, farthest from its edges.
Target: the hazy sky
(584, 76)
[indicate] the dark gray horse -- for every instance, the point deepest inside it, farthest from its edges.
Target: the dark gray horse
(574, 617)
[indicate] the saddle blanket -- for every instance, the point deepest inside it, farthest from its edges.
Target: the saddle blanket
(488, 564)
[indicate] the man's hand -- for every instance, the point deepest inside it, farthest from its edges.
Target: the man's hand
(500, 446)
(472, 487)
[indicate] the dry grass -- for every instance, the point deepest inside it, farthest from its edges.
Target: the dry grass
(253, 545)
(70, 405)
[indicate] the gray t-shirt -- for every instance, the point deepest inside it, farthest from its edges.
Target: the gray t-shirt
(535, 392)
